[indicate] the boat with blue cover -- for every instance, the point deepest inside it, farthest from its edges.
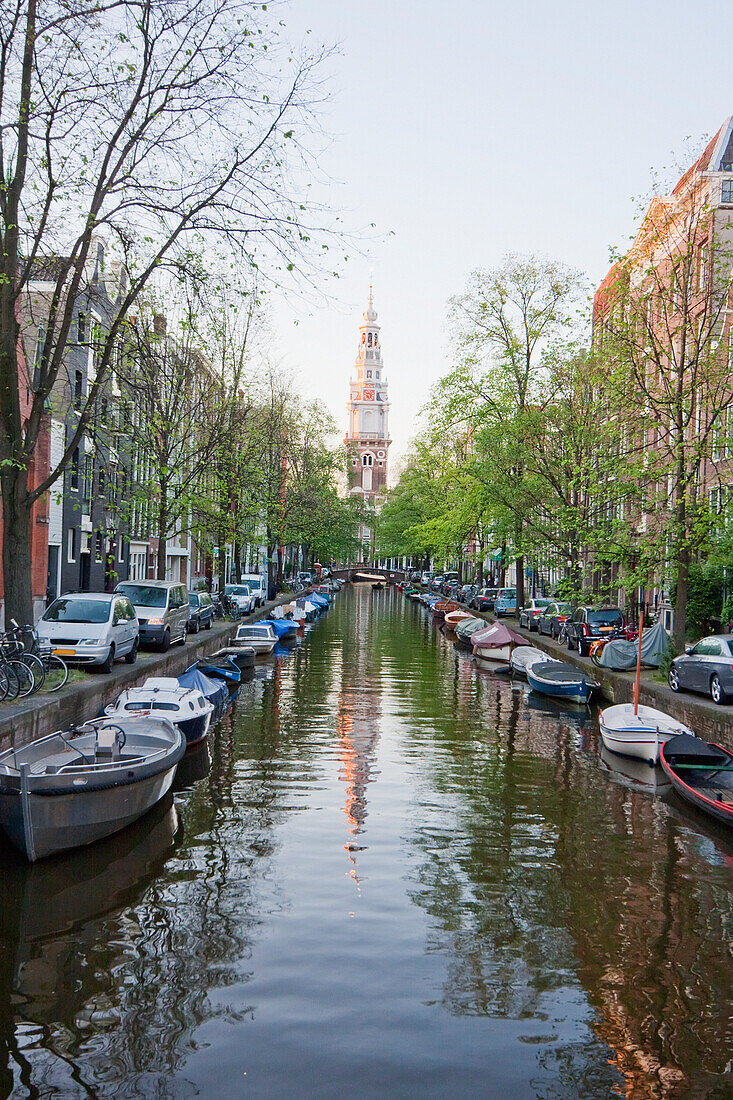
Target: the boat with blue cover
(284, 628)
(222, 669)
(560, 681)
(215, 691)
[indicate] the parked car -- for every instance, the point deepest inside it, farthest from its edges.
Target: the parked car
(530, 614)
(438, 582)
(305, 578)
(240, 598)
(706, 667)
(552, 618)
(426, 578)
(588, 623)
(161, 608)
(484, 599)
(505, 602)
(91, 628)
(415, 577)
(200, 612)
(468, 592)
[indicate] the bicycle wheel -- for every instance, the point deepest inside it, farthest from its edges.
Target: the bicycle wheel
(12, 681)
(4, 686)
(596, 653)
(55, 667)
(26, 681)
(37, 669)
(562, 636)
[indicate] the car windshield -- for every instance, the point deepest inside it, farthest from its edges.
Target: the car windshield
(145, 595)
(610, 615)
(508, 594)
(237, 590)
(542, 603)
(72, 610)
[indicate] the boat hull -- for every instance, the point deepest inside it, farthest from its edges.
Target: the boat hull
(41, 825)
(638, 736)
(707, 803)
(573, 691)
(498, 657)
(195, 729)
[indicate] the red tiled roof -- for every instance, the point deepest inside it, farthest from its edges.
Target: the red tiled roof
(700, 165)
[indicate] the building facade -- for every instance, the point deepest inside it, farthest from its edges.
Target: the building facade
(367, 432)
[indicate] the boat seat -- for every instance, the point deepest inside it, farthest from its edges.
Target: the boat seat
(107, 744)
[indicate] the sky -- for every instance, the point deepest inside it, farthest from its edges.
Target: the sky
(466, 129)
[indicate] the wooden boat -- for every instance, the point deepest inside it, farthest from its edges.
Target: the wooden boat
(257, 636)
(76, 786)
(186, 706)
(561, 681)
(523, 656)
(701, 773)
(441, 608)
(453, 618)
(638, 731)
(493, 647)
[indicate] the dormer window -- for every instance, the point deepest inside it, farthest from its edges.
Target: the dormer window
(726, 190)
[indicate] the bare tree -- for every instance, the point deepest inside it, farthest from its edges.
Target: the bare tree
(163, 127)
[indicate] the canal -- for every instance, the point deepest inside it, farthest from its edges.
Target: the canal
(388, 874)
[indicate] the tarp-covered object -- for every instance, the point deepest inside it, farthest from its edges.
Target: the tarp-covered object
(621, 654)
(496, 635)
(212, 690)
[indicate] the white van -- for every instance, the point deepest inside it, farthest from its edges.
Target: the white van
(257, 584)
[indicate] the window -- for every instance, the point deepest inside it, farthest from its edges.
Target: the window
(38, 358)
(81, 328)
(369, 340)
(703, 267)
(367, 460)
(726, 191)
(98, 548)
(70, 544)
(369, 374)
(78, 389)
(376, 375)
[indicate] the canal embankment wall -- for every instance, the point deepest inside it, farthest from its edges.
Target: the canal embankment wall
(28, 719)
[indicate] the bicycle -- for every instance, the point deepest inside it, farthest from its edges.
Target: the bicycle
(41, 660)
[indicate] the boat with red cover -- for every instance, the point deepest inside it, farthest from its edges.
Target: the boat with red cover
(493, 647)
(701, 773)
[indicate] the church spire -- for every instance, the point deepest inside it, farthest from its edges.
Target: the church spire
(367, 432)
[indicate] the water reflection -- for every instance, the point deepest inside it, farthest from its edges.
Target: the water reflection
(517, 907)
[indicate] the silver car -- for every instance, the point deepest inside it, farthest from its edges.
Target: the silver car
(161, 608)
(706, 667)
(91, 628)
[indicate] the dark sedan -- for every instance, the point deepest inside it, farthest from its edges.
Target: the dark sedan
(552, 618)
(200, 612)
(484, 600)
(706, 667)
(589, 623)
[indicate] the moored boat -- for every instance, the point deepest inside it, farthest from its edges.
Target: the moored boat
(284, 628)
(243, 656)
(223, 670)
(638, 732)
(467, 628)
(185, 706)
(561, 681)
(701, 773)
(493, 646)
(258, 636)
(453, 618)
(524, 656)
(214, 691)
(441, 608)
(73, 787)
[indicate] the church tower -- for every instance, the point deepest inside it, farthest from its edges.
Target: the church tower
(367, 432)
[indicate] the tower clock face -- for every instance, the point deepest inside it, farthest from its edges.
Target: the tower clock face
(368, 393)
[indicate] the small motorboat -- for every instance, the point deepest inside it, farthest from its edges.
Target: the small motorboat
(441, 608)
(561, 681)
(523, 656)
(453, 618)
(184, 706)
(638, 731)
(320, 601)
(493, 646)
(242, 656)
(701, 773)
(258, 636)
(222, 669)
(214, 691)
(295, 612)
(285, 629)
(467, 628)
(76, 786)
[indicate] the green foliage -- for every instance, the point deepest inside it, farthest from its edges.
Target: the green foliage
(705, 597)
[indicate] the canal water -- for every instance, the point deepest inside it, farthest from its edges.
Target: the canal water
(388, 874)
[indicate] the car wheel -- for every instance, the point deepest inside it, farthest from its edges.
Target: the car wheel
(196, 626)
(716, 691)
(106, 666)
(209, 624)
(583, 650)
(674, 680)
(166, 642)
(131, 657)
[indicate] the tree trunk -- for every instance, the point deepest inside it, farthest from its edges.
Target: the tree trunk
(162, 537)
(18, 584)
(520, 581)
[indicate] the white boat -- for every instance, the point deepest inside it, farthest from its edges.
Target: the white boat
(76, 786)
(638, 732)
(493, 647)
(259, 636)
(524, 656)
(164, 696)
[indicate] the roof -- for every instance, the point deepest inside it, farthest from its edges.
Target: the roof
(89, 595)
